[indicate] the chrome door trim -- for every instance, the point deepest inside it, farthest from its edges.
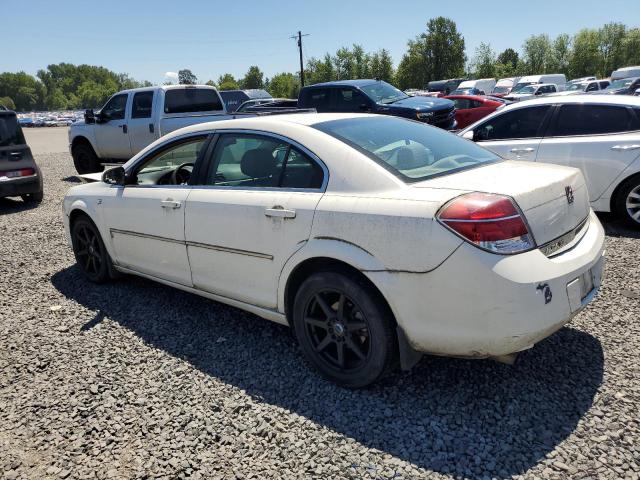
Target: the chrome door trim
(112, 231)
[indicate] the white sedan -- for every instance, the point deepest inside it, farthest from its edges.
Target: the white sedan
(376, 238)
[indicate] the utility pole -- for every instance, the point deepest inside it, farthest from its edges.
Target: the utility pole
(299, 39)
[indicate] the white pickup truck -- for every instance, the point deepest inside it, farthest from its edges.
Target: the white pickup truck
(132, 119)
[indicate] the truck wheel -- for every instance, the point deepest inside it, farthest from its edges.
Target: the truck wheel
(85, 159)
(343, 329)
(628, 201)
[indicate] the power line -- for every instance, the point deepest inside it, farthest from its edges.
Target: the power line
(299, 38)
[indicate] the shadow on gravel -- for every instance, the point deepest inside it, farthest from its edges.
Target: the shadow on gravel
(71, 179)
(614, 227)
(14, 205)
(462, 417)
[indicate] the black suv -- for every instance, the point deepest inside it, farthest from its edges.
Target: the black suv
(376, 96)
(19, 174)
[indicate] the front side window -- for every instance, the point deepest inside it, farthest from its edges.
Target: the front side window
(519, 123)
(10, 131)
(142, 103)
(189, 99)
(255, 161)
(114, 109)
(170, 166)
(579, 119)
(349, 100)
(410, 150)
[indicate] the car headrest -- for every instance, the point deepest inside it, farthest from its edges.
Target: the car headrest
(406, 159)
(258, 163)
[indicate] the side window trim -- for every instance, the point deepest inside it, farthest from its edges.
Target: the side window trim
(207, 136)
(133, 103)
(206, 164)
(542, 129)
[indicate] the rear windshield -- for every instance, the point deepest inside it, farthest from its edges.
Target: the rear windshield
(410, 150)
(10, 131)
(183, 100)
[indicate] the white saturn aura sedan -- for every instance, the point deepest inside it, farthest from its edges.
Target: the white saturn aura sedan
(375, 238)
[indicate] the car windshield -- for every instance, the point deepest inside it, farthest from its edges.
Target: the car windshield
(622, 83)
(528, 89)
(382, 92)
(500, 90)
(577, 87)
(10, 131)
(410, 150)
(520, 86)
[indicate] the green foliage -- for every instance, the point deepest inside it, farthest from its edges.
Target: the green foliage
(509, 58)
(585, 57)
(186, 77)
(434, 55)
(252, 79)
(537, 52)
(484, 62)
(25, 91)
(7, 102)
(211, 83)
(227, 82)
(283, 85)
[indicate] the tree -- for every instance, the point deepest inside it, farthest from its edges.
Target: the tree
(558, 61)
(252, 79)
(509, 57)
(484, 62)
(537, 52)
(631, 47)
(227, 82)
(7, 102)
(381, 66)
(611, 47)
(434, 55)
(318, 71)
(585, 55)
(186, 77)
(284, 85)
(211, 83)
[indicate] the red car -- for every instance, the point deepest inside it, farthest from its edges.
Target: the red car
(471, 108)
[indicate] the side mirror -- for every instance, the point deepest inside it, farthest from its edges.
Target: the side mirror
(89, 116)
(469, 134)
(364, 107)
(114, 176)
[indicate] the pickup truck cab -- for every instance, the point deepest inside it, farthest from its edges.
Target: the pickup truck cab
(376, 96)
(530, 91)
(132, 119)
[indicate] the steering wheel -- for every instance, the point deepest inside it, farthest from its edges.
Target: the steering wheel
(180, 176)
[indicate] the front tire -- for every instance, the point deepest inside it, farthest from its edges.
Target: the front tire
(344, 329)
(85, 159)
(91, 255)
(628, 201)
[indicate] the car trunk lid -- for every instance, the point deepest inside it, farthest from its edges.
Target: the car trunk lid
(553, 198)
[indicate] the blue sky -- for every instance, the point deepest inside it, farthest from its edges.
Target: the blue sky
(146, 39)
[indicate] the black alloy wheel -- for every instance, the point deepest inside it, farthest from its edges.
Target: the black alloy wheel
(85, 160)
(344, 329)
(90, 252)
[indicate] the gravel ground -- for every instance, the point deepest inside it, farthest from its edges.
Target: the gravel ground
(134, 379)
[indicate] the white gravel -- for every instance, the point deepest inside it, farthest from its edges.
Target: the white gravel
(134, 379)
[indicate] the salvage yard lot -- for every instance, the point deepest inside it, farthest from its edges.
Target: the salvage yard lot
(138, 379)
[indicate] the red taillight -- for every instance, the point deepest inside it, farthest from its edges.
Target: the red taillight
(489, 221)
(23, 172)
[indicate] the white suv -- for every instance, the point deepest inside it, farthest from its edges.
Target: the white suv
(598, 134)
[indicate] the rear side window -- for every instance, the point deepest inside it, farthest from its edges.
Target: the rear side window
(318, 98)
(183, 100)
(301, 171)
(591, 120)
(349, 100)
(10, 131)
(142, 102)
(520, 123)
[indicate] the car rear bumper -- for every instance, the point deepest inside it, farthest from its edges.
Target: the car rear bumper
(21, 186)
(478, 304)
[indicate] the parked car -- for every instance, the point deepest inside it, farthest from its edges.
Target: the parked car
(558, 79)
(624, 86)
(580, 80)
(530, 91)
(375, 237)
(376, 96)
(234, 98)
(444, 87)
(482, 86)
(471, 108)
(504, 86)
(596, 133)
(19, 173)
(268, 102)
(132, 119)
(587, 86)
(626, 72)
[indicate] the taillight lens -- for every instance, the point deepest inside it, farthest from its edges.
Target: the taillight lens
(23, 172)
(489, 221)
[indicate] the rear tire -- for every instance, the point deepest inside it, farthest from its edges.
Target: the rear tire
(33, 197)
(344, 329)
(627, 201)
(91, 254)
(85, 159)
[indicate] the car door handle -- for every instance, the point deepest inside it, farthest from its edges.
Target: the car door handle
(279, 212)
(522, 150)
(151, 128)
(168, 203)
(123, 127)
(624, 148)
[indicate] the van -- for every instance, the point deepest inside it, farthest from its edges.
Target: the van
(504, 86)
(626, 72)
(559, 79)
(444, 87)
(482, 86)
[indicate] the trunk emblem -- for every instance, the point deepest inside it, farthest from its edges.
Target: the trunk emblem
(569, 193)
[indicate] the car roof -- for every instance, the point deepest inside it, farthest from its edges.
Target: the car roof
(351, 83)
(580, 98)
